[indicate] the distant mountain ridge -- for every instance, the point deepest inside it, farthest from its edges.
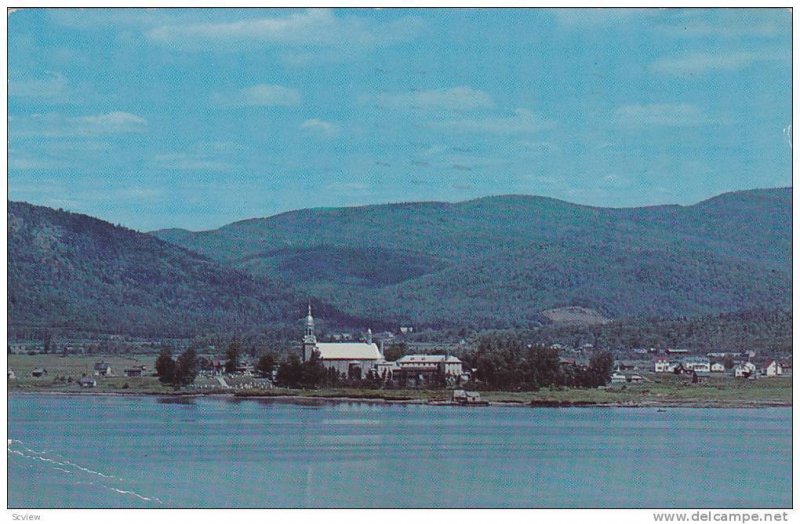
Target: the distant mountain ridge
(500, 261)
(73, 272)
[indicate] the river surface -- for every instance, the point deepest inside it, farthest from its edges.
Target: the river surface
(89, 451)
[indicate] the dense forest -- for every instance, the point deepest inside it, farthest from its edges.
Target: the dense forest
(763, 330)
(497, 262)
(716, 274)
(71, 273)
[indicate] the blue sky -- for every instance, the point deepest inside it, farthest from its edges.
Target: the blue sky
(197, 118)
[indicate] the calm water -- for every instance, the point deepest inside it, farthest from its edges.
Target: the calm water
(92, 451)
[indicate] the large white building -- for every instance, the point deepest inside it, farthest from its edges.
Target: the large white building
(352, 359)
(447, 365)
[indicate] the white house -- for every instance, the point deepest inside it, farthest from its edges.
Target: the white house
(717, 367)
(772, 369)
(618, 378)
(661, 364)
(102, 369)
(87, 382)
(699, 365)
(744, 370)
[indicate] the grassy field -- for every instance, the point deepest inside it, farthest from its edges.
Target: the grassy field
(667, 390)
(60, 369)
(663, 389)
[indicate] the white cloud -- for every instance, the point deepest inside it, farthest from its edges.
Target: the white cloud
(539, 146)
(699, 63)
(320, 127)
(260, 95)
(599, 16)
(453, 99)
(51, 86)
(315, 27)
(55, 124)
(671, 115)
(21, 163)
(728, 23)
(114, 122)
(101, 19)
(522, 121)
(190, 162)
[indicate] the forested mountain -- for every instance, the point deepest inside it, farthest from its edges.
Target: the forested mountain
(768, 331)
(73, 272)
(497, 262)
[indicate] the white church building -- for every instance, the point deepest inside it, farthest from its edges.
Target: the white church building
(352, 359)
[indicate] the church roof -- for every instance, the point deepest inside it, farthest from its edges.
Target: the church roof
(348, 351)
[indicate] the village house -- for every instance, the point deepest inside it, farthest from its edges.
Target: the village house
(245, 368)
(700, 365)
(218, 365)
(771, 368)
(677, 352)
(102, 369)
(618, 378)
(717, 367)
(675, 367)
(626, 365)
(661, 364)
(87, 382)
(468, 398)
(745, 370)
(38, 372)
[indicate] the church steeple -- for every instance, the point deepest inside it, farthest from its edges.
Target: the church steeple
(309, 323)
(309, 339)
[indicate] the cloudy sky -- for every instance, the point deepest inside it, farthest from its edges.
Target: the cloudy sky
(196, 118)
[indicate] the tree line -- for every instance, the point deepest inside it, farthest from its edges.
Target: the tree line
(507, 361)
(180, 372)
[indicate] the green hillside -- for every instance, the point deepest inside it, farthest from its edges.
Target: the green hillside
(497, 262)
(77, 273)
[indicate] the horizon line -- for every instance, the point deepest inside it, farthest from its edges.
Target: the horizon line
(409, 202)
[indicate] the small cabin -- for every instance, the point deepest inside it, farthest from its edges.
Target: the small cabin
(38, 372)
(467, 397)
(102, 369)
(87, 382)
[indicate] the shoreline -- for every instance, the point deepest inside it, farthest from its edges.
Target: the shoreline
(535, 403)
